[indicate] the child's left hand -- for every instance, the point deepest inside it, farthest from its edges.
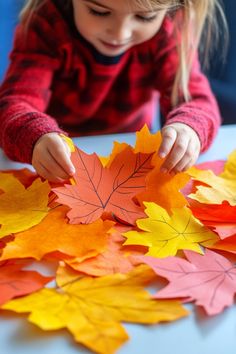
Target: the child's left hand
(181, 147)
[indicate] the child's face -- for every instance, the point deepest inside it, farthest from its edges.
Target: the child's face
(113, 26)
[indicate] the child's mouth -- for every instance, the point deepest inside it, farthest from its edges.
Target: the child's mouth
(113, 46)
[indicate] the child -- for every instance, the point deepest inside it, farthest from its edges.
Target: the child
(92, 67)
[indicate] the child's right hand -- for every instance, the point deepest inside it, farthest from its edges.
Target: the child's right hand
(51, 158)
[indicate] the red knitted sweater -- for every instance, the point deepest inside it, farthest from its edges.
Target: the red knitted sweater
(58, 82)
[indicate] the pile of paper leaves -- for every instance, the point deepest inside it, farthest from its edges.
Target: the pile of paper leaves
(116, 228)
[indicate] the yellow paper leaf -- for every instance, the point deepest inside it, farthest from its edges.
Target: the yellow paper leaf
(21, 208)
(229, 172)
(69, 142)
(91, 308)
(220, 188)
(165, 234)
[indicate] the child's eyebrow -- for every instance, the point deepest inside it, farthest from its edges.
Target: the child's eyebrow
(108, 8)
(98, 4)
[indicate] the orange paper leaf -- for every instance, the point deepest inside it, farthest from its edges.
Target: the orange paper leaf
(55, 234)
(114, 259)
(98, 189)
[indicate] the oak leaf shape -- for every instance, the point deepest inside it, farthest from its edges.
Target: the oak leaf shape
(17, 282)
(55, 234)
(100, 189)
(210, 280)
(20, 207)
(92, 308)
(165, 234)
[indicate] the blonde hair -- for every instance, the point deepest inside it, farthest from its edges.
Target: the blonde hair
(199, 19)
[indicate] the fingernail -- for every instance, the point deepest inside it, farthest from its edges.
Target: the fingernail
(162, 154)
(72, 171)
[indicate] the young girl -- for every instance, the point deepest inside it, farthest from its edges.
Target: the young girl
(95, 66)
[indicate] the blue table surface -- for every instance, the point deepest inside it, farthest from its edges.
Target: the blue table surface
(196, 334)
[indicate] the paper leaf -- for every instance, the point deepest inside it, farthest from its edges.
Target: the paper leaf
(166, 234)
(100, 189)
(17, 282)
(228, 244)
(210, 280)
(222, 217)
(55, 234)
(91, 308)
(146, 142)
(114, 259)
(221, 188)
(164, 190)
(229, 172)
(21, 208)
(24, 175)
(117, 149)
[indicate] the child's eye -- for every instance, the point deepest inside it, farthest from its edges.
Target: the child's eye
(98, 13)
(146, 19)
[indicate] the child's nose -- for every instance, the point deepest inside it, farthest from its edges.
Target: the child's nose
(121, 32)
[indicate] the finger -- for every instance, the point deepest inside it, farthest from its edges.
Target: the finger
(185, 161)
(189, 158)
(177, 153)
(54, 168)
(46, 174)
(61, 155)
(169, 136)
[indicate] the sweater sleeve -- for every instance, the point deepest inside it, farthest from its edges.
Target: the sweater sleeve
(201, 112)
(25, 92)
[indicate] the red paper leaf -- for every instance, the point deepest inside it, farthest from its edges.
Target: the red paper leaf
(99, 189)
(16, 282)
(220, 217)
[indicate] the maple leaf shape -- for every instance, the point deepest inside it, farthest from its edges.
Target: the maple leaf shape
(91, 308)
(161, 188)
(55, 234)
(166, 234)
(17, 282)
(100, 189)
(146, 142)
(21, 208)
(210, 280)
(221, 188)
